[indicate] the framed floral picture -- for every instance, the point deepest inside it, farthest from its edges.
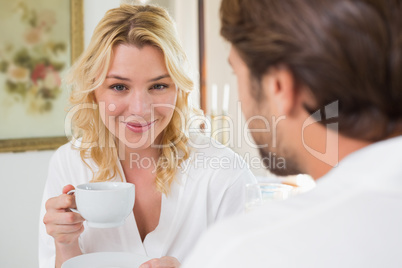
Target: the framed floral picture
(41, 39)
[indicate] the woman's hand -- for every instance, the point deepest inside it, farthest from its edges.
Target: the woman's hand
(64, 225)
(164, 262)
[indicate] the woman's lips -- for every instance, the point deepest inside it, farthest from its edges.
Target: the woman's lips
(139, 127)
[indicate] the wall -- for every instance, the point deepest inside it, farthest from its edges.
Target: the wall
(185, 14)
(220, 73)
(23, 176)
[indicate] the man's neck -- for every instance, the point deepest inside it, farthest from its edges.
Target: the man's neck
(320, 157)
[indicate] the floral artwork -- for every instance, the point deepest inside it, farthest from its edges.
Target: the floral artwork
(39, 40)
(33, 67)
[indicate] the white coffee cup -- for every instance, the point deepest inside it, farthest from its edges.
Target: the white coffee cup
(104, 204)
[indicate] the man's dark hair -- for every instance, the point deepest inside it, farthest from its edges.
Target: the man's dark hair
(343, 50)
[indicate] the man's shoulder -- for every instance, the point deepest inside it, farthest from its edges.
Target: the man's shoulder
(375, 165)
(236, 242)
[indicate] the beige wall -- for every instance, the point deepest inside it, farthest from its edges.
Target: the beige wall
(220, 73)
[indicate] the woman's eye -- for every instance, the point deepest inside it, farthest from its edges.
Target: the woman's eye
(159, 86)
(118, 87)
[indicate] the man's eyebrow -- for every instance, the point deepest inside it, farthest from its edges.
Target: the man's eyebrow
(158, 78)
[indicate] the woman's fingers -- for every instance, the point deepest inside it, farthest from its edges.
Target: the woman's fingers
(68, 238)
(68, 188)
(62, 218)
(62, 224)
(164, 262)
(59, 229)
(64, 227)
(63, 201)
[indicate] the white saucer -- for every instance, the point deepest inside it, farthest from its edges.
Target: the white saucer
(106, 260)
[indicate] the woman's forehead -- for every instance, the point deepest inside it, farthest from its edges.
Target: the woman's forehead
(128, 60)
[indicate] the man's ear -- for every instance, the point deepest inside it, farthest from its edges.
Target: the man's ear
(280, 87)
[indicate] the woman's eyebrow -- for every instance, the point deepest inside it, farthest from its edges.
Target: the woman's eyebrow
(128, 79)
(158, 78)
(117, 77)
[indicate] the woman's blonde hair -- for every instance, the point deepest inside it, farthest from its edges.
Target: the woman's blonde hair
(139, 26)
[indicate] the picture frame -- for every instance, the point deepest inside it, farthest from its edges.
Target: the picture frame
(76, 45)
(202, 56)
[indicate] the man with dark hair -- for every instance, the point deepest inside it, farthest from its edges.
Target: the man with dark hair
(332, 71)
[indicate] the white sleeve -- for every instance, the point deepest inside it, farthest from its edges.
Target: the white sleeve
(46, 242)
(59, 175)
(232, 200)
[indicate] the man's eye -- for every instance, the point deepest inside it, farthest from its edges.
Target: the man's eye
(159, 86)
(118, 87)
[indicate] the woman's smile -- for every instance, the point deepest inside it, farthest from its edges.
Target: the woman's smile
(138, 127)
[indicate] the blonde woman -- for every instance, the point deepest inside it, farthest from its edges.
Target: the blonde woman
(130, 113)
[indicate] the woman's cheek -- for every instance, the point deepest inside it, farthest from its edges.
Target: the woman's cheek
(108, 114)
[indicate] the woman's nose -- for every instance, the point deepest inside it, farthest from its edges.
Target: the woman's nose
(139, 103)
